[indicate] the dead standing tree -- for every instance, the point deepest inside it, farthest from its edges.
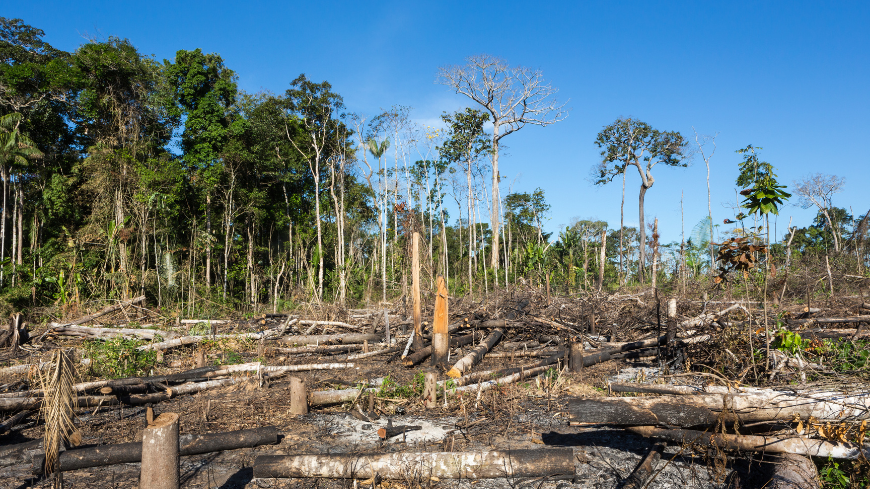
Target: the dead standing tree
(817, 190)
(515, 97)
(629, 142)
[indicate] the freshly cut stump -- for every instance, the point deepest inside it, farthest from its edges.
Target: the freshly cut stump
(160, 454)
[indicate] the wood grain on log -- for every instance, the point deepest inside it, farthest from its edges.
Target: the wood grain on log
(476, 355)
(754, 443)
(420, 466)
(101, 456)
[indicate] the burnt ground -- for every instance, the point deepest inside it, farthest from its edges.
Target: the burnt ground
(521, 415)
(528, 414)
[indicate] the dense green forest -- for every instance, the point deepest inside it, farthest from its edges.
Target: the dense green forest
(124, 175)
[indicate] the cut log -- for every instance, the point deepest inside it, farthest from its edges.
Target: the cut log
(755, 443)
(14, 420)
(385, 351)
(83, 458)
(420, 355)
(108, 333)
(324, 398)
(791, 471)
(688, 411)
(206, 321)
(500, 373)
(343, 339)
(644, 470)
(314, 349)
(391, 431)
(850, 319)
(192, 340)
(553, 463)
(476, 355)
(637, 411)
(507, 379)
(331, 323)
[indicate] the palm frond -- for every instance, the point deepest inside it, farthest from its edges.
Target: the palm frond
(58, 406)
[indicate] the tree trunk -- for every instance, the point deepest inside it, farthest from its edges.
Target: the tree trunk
(495, 196)
(208, 240)
(642, 229)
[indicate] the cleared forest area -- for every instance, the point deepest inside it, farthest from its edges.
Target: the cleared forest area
(212, 288)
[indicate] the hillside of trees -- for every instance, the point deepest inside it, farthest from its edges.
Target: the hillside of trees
(125, 175)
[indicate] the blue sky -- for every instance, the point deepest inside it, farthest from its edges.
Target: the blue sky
(791, 77)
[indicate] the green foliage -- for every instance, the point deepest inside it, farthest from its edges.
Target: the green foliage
(118, 357)
(629, 141)
(764, 194)
(391, 389)
(788, 341)
(833, 476)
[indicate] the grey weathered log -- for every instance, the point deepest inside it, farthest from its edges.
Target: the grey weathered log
(83, 458)
(421, 466)
(107, 333)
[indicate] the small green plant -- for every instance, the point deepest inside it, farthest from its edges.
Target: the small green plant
(119, 357)
(788, 342)
(232, 357)
(200, 329)
(833, 476)
(391, 388)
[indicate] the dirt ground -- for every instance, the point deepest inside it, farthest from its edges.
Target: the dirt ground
(527, 414)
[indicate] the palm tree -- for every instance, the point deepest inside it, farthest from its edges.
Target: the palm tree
(15, 149)
(378, 150)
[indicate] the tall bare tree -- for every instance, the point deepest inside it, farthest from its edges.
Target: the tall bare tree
(514, 96)
(817, 190)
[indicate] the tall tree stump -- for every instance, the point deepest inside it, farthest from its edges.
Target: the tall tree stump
(160, 454)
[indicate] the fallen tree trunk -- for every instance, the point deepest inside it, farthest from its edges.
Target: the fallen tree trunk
(420, 355)
(343, 339)
(314, 349)
(507, 379)
(104, 311)
(421, 466)
(476, 355)
(491, 374)
(792, 471)
(384, 351)
(107, 333)
(644, 470)
(704, 409)
(190, 340)
(330, 323)
(391, 431)
(755, 443)
(101, 456)
(850, 319)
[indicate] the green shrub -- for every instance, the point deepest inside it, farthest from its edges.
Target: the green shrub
(119, 357)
